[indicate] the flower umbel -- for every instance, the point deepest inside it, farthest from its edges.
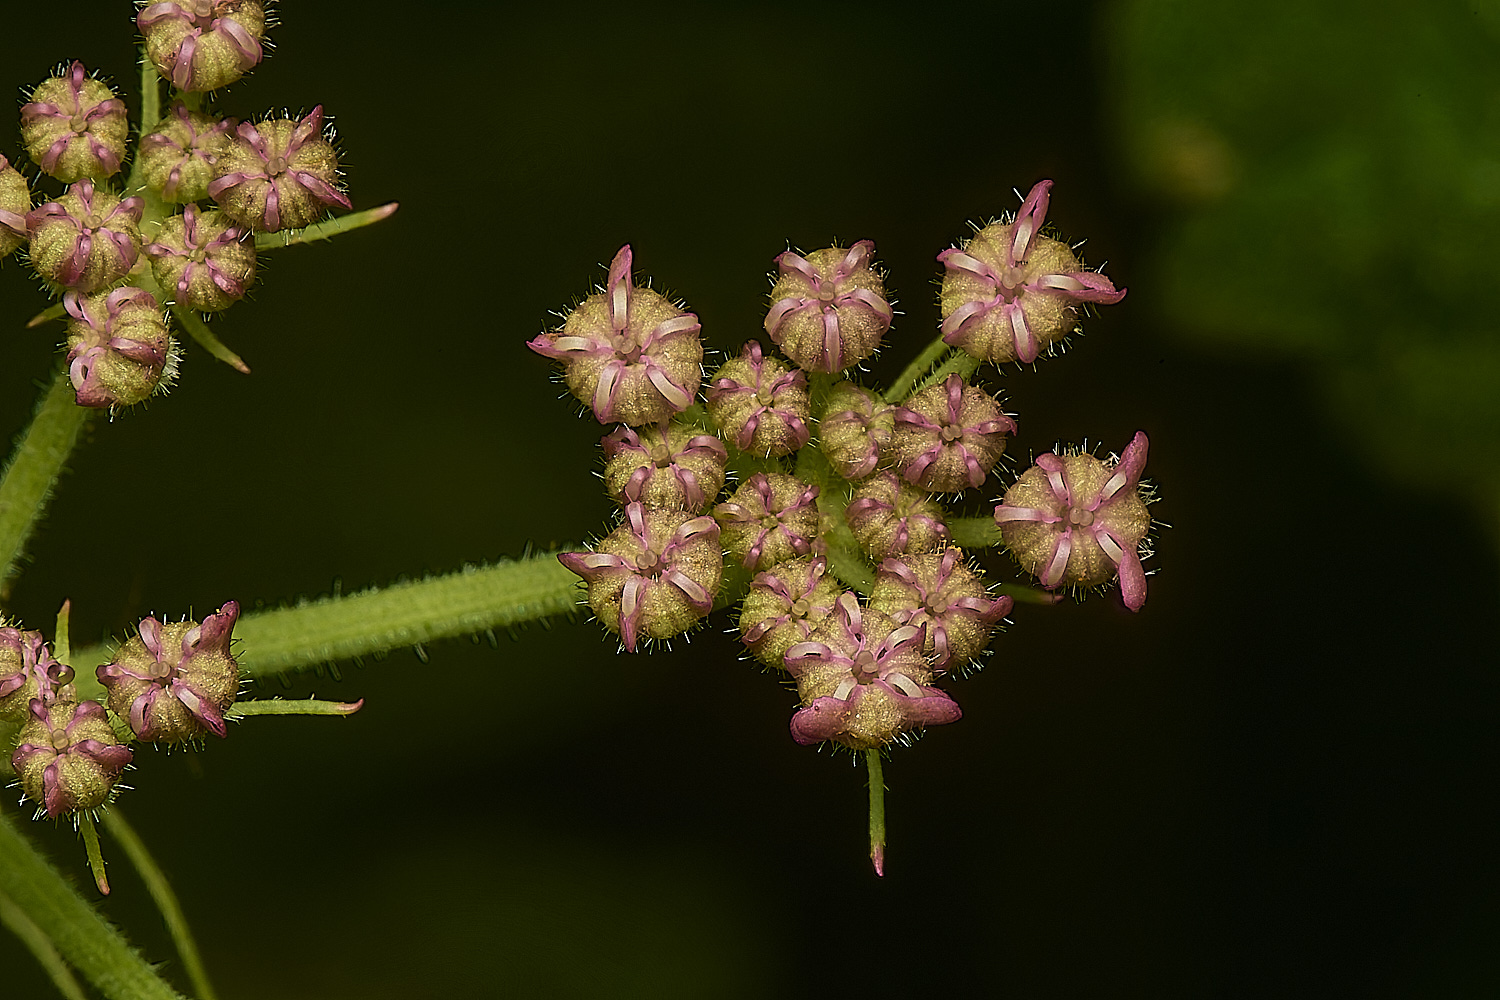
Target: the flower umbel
(179, 158)
(119, 350)
(949, 436)
(174, 681)
(279, 174)
(654, 576)
(203, 44)
(1073, 519)
(1010, 291)
(628, 352)
(760, 404)
(87, 239)
(205, 258)
(828, 309)
(75, 127)
(863, 680)
(771, 518)
(69, 757)
(672, 466)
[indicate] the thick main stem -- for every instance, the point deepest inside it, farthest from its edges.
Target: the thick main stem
(79, 934)
(33, 470)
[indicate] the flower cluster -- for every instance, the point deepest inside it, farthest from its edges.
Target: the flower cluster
(87, 241)
(170, 683)
(837, 539)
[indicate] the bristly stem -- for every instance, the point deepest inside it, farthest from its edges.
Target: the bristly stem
(325, 229)
(920, 365)
(165, 900)
(78, 933)
(877, 811)
(974, 532)
(38, 460)
(15, 920)
(278, 706)
(91, 848)
(472, 601)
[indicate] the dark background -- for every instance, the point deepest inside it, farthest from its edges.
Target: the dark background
(1277, 779)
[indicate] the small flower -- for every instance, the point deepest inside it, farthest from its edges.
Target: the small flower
(75, 127)
(1010, 291)
(27, 671)
(179, 158)
(863, 681)
(760, 404)
(855, 429)
(949, 436)
(86, 240)
(204, 258)
(15, 202)
(119, 350)
(771, 518)
(203, 44)
(889, 518)
(628, 352)
(279, 174)
(828, 309)
(655, 575)
(672, 466)
(174, 681)
(784, 605)
(940, 592)
(69, 757)
(1074, 520)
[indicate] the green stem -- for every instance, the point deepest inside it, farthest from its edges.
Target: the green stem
(960, 362)
(78, 933)
(471, 601)
(91, 848)
(1028, 595)
(902, 387)
(208, 340)
(150, 115)
(277, 706)
(974, 532)
(326, 229)
(165, 900)
(877, 811)
(13, 919)
(33, 470)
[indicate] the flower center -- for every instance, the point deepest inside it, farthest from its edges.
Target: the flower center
(649, 562)
(79, 123)
(951, 433)
(61, 740)
(1079, 516)
(276, 165)
(865, 666)
(827, 293)
(660, 454)
(770, 522)
(764, 397)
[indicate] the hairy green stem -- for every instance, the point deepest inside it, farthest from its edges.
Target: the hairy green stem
(326, 229)
(78, 933)
(920, 365)
(33, 470)
(165, 900)
(877, 811)
(278, 706)
(974, 532)
(91, 848)
(958, 362)
(473, 600)
(13, 919)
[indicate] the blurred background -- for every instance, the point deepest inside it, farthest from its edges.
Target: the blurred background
(1277, 779)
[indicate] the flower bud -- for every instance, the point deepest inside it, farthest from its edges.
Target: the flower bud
(855, 429)
(889, 518)
(939, 591)
(1073, 520)
(179, 158)
(15, 202)
(203, 44)
(27, 671)
(654, 576)
(760, 404)
(278, 174)
(669, 467)
(949, 436)
(69, 757)
(174, 681)
(863, 681)
(1009, 291)
(628, 352)
(771, 518)
(75, 127)
(86, 240)
(204, 258)
(828, 309)
(119, 351)
(783, 606)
